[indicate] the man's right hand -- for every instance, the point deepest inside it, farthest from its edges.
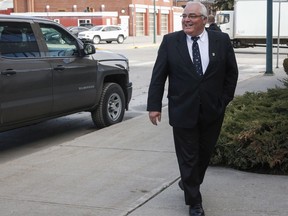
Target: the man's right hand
(155, 117)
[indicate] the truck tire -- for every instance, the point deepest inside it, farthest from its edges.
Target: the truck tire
(111, 107)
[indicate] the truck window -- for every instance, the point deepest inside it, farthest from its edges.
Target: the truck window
(17, 40)
(222, 18)
(59, 42)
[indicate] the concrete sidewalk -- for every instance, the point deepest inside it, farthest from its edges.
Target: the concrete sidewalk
(131, 169)
(252, 82)
(228, 192)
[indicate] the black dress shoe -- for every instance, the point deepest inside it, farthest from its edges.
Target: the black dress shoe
(180, 184)
(196, 210)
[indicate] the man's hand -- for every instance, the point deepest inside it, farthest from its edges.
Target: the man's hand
(155, 117)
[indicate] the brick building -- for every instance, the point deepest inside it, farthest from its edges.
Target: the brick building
(136, 15)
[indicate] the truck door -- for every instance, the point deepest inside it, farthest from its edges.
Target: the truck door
(74, 77)
(225, 21)
(25, 79)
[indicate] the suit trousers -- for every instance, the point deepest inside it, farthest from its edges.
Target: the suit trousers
(194, 147)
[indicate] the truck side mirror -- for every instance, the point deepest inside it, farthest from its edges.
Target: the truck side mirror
(89, 49)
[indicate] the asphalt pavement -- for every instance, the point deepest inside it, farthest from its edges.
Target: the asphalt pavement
(131, 169)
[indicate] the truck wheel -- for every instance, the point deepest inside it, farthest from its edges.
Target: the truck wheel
(111, 106)
(236, 44)
(96, 39)
(120, 39)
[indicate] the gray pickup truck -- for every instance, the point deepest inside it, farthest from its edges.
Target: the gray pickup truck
(46, 72)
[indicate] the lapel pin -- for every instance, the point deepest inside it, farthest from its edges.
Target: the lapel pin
(213, 54)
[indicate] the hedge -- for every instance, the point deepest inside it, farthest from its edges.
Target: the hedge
(254, 134)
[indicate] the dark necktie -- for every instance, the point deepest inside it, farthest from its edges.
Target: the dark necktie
(196, 56)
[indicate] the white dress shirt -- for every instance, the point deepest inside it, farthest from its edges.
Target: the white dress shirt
(203, 44)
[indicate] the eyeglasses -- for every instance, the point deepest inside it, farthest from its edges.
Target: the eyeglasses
(191, 16)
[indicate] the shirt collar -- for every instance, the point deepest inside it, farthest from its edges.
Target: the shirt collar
(202, 37)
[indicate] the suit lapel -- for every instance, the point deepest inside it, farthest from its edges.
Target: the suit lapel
(213, 49)
(184, 53)
(183, 49)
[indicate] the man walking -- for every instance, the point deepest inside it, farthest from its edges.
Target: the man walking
(211, 22)
(202, 72)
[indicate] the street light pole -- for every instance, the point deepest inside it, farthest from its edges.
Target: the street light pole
(278, 39)
(269, 38)
(154, 21)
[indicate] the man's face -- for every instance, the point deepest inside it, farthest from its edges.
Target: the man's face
(193, 22)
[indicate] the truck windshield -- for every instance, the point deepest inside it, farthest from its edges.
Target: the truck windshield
(222, 18)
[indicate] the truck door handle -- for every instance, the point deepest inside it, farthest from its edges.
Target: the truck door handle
(8, 72)
(59, 68)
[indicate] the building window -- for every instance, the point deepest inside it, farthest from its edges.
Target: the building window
(151, 24)
(140, 24)
(84, 21)
(164, 24)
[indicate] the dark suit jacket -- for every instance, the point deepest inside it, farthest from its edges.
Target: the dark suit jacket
(214, 27)
(187, 91)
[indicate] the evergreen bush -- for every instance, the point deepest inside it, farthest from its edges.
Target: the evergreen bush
(254, 135)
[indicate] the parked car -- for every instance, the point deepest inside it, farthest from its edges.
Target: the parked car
(76, 29)
(45, 72)
(106, 33)
(87, 25)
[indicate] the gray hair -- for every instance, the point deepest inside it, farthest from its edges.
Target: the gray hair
(203, 9)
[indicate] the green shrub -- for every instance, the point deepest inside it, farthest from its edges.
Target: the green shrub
(254, 135)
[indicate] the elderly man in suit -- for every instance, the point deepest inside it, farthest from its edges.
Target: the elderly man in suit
(202, 71)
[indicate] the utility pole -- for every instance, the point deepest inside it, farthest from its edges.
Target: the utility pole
(154, 21)
(269, 38)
